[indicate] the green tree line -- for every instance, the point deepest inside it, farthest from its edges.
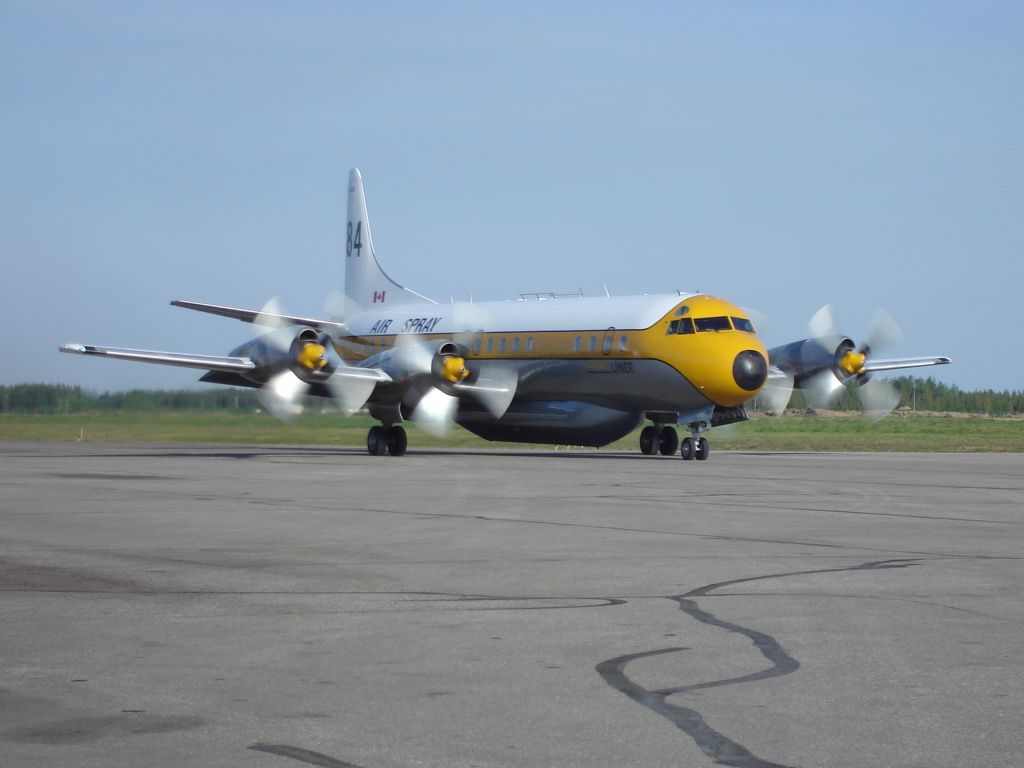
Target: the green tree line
(61, 398)
(927, 394)
(916, 393)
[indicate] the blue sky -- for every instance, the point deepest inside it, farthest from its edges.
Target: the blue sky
(782, 155)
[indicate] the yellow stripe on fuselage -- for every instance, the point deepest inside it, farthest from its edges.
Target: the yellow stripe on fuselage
(705, 359)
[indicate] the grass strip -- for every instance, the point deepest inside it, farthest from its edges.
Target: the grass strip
(912, 433)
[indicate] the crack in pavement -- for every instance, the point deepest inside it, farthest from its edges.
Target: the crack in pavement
(716, 745)
(302, 755)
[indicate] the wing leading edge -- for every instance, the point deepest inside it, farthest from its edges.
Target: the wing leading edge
(873, 366)
(226, 364)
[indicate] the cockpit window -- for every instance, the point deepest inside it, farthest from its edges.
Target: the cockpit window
(742, 324)
(713, 324)
(679, 326)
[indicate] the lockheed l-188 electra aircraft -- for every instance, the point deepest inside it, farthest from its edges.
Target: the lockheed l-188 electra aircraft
(546, 368)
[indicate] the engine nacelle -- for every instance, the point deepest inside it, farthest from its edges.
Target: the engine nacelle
(810, 357)
(438, 363)
(304, 354)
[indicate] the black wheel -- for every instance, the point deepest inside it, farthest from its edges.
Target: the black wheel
(703, 449)
(397, 440)
(649, 441)
(687, 449)
(376, 442)
(668, 441)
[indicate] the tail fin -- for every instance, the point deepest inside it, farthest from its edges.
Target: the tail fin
(367, 286)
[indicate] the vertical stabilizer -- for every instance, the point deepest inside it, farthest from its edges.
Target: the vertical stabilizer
(367, 286)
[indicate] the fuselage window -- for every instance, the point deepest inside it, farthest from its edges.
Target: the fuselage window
(686, 325)
(742, 324)
(476, 345)
(490, 345)
(713, 324)
(607, 346)
(502, 344)
(623, 341)
(578, 344)
(593, 343)
(673, 328)
(515, 344)
(529, 343)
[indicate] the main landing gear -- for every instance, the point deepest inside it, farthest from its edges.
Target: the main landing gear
(663, 439)
(392, 440)
(658, 439)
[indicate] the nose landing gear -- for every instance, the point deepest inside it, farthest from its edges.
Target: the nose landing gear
(695, 446)
(694, 449)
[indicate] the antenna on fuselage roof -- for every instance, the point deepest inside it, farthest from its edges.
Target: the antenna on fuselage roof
(548, 295)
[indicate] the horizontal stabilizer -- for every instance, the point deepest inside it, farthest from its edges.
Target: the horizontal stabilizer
(259, 317)
(202, 362)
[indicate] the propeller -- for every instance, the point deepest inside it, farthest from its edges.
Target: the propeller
(491, 383)
(435, 412)
(306, 352)
(777, 389)
(441, 376)
(878, 398)
(822, 390)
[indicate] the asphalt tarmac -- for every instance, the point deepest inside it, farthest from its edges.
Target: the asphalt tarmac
(240, 606)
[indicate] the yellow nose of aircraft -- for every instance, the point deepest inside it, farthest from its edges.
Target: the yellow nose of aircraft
(720, 353)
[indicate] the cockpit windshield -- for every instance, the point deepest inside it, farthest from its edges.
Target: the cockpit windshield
(685, 325)
(713, 324)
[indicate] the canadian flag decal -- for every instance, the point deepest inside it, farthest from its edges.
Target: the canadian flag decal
(378, 297)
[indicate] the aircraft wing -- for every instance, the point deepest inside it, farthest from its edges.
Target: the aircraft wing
(203, 362)
(261, 318)
(873, 366)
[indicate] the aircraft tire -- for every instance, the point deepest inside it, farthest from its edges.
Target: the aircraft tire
(376, 442)
(668, 441)
(703, 449)
(686, 450)
(649, 441)
(397, 441)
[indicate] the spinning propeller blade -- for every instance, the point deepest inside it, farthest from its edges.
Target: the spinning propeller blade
(435, 412)
(778, 389)
(878, 398)
(282, 395)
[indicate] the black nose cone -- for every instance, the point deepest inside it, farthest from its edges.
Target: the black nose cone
(749, 370)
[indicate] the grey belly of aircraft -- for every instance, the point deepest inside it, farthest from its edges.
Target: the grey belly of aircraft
(584, 402)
